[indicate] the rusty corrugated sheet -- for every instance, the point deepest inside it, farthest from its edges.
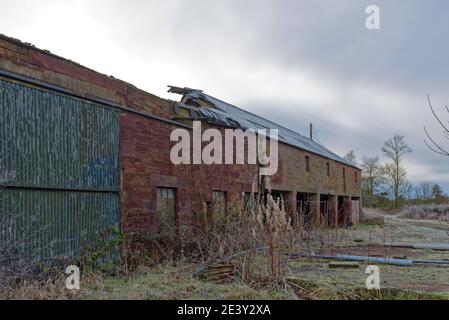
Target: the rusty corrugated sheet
(59, 160)
(46, 224)
(55, 141)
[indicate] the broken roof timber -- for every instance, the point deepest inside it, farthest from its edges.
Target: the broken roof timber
(183, 91)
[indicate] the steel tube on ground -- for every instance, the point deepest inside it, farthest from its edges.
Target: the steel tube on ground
(431, 246)
(399, 262)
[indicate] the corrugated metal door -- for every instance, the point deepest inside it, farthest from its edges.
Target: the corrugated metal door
(59, 161)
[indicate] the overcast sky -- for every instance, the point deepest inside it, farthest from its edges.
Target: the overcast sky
(294, 61)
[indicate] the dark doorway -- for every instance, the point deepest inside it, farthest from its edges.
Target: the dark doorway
(324, 210)
(341, 211)
(304, 209)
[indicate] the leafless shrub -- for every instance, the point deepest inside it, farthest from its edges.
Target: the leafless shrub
(431, 211)
(17, 264)
(26, 259)
(13, 265)
(259, 241)
(252, 239)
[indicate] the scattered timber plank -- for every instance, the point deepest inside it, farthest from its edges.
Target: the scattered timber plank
(217, 272)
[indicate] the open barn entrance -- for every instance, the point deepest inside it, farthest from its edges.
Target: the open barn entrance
(278, 196)
(341, 210)
(304, 210)
(325, 216)
(344, 211)
(283, 198)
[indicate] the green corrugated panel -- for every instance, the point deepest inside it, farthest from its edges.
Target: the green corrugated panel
(53, 224)
(60, 156)
(55, 141)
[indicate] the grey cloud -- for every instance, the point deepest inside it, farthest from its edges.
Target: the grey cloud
(268, 56)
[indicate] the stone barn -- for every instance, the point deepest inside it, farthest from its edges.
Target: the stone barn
(82, 152)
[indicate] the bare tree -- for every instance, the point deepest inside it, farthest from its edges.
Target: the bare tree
(372, 176)
(431, 142)
(423, 191)
(351, 158)
(437, 192)
(394, 149)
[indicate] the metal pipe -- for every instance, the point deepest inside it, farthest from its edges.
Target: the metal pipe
(398, 262)
(341, 257)
(445, 262)
(430, 246)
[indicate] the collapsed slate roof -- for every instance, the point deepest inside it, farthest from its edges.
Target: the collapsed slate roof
(229, 115)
